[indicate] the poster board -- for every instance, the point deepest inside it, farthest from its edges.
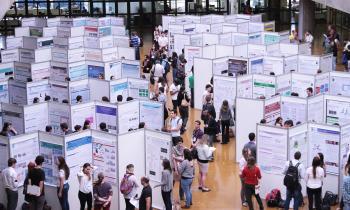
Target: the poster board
(237, 66)
(38, 89)
(98, 89)
(81, 112)
(17, 92)
(36, 117)
(263, 85)
(220, 66)
(118, 87)
(298, 141)
(58, 113)
(291, 63)
(339, 83)
(4, 92)
(15, 115)
(180, 41)
(322, 83)
(316, 109)
(256, 65)
(272, 109)
(300, 82)
(128, 116)
(326, 62)
(5, 152)
(223, 51)
(337, 110)
(344, 150)
(202, 75)
(151, 113)
(81, 88)
(126, 53)
(138, 88)
(224, 89)
(308, 64)
(113, 70)
(191, 52)
(130, 69)
(273, 64)
(107, 113)
(294, 108)
(284, 84)
(245, 86)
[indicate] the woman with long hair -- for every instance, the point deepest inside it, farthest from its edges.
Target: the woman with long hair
(87, 124)
(251, 175)
(242, 165)
(63, 186)
(85, 186)
(314, 181)
(225, 117)
(279, 122)
(322, 164)
(186, 170)
(166, 184)
(8, 130)
(204, 155)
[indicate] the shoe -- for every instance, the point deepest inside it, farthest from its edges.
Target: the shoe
(206, 190)
(200, 188)
(182, 199)
(223, 142)
(185, 207)
(245, 204)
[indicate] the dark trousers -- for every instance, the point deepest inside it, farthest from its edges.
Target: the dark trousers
(85, 198)
(249, 192)
(128, 205)
(12, 199)
(100, 207)
(184, 115)
(64, 199)
(167, 200)
(225, 126)
(296, 195)
(37, 202)
(192, 97)
(137, 53)
(314, 194)
(175, 105)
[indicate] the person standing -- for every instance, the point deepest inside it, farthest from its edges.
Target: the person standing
(174, 92)
(207, 92)
(346, 190)
(37, 177)
(204, 155)
(210, 129)
(85, 186)
(10, 179)
(135, 42)
(174, 64)
(145, 201)
(174, 127)
(294, 172)
(225, 117)
(186, 170)
(166, 184)
(314, 181)
(183, 100)
(309, 39)
(63, 186)
(177, 158)
(242, 165)
(8, 130)
(191, 86)
(130, 178)
(252, 176)
(102, 193)
(251, 145)
(197, 132)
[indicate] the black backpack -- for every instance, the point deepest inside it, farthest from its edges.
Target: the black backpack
(291, 179)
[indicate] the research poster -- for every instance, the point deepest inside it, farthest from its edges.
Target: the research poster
(24, 151)
(263, 86)
(340, 86)
(104, 157)
(295, 111)
(301, 83)
(81, 113)
(190, 54)
(17, 92)
(322, 83)
(157, 149)
(225, 39)
(196, 40)
(36, 117)
(107, 115)
(271, 38)
(315, 110)
(298, 142)
(283, 84)
(78, 72)
(245, 87)
(59, 91)
(308, 64)
(128, 116)
(272, 111)
(275, 65)
(37, 90)
(257, 66)
(151, 113)
(14, 116)
(4, 93)
(130, 70)
(96, 71)
(237, 67)
(82, 90)
(327, 142)
(78, 152)
(50, 152)
(224, 89)
(58, 113)
(272, 150)
(344, 146)
(119, 89)
(115, 69)
(3, 156)
(138, 88)
(337, 112)
(220, 67)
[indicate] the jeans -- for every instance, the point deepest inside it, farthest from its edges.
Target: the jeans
(243, 199)
(192, 97)
(314, 193)
(186, 186)
(85, 198)
(174, 73)
(225, 126)
(184, 115)
(167, 200)
(346, 206)
(249, 192)
(37, 203)
(175, 105)
(137, 53)
(64, 199)
(211, 138)
(296, 194)
(128, 205)
(12, 199)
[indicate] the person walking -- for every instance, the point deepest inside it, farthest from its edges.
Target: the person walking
(205, 154)
(10, 181)
(130, 191)
(197, 132)
(242, 165)
(186, 170)
(251, 145)
(63, 186)
(102, 193)
(225, 116)
(166, 184)
(135, 42)
(314, 181)
(252, 176)
(36, 177)
(85, 186)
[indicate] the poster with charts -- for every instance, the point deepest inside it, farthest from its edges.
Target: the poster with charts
(131, 70)
(50, 152)
(78, 72)
(4, 92)
(119, 88)
(325, 141)
(58, 113)
(151, 113)
(257, 66)
(95, 71)
(298, 142)
(245, 87)
(190, 54)
(224, 89)
(237, 67)
(340, 86)
(128, 116)
(283, 84)
(157, 149)
(104, 157)
(59, 91)
(272, 111)
(263, 86)
(337, 112)
(300, 83)
(39, 90)
(315, 111)
(80, 113)
(83, 90)
(295, 111)
(24, 151)
(322, 83)
(344, 145)
(308, 64)
(138, 88)
(107, 115)
(78, 152)
(272, 150)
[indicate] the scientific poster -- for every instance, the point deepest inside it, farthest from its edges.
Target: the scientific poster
(245, 87)
(3, 156)
(340, 86)
(130, 70)
(81, 113)
(224, 89)
(344, 146)
(4, 93)
(298, 142)
(237, 67)
(14, 116)
(104, 157)
(322, 83)
(151, 113)
(283, 85)
(128, 116)
(308, 64)
(315, 110)
(337, 112)
(295, 111)
(301, 83)
(271, 38)
(273, 64)
(190, 54)
(220, 67)
(58, 113)
(138, 88)
(272, 150)
(39, 90)
(82, 90)
(78, 152)
(263, 86)
(50, 152)
(272, 111)
(327, 142)
(115, 69)
(119, 89)
(78, 72)
(36, 117)
(157, 149)
(95, 71)
(257, 66)
(107, 115)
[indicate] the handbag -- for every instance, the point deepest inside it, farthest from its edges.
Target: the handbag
(184, 102)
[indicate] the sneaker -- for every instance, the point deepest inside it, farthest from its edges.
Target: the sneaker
(205, 189)
(185, 207)
(245, 204)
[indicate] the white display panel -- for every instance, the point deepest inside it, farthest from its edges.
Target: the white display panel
(36, 117)
(4, 92)
(293, 108)
(326, 63)
(325, 139)
(180, 40)
(82, 112)
(118, 87)
(322, 83)
(130, 69)
(220, 66)
(315, 109)
(284, 84)
(113, 70)
(340, 83)
(151, 113)
(58, 113)
(308, 64)
(273, 64)
(38, 89)
(237, 66)
(4, 152)
(191, 53)
(138, 88)
(245, 86)
(256, 65)
(263, 85)
(298, 141)
(291, 63)
(128, 116)
(337, 111)
(107, 113)
(80, 88)
(17, 92)
(344, 150)
(272, 109)
(224, 89)
(300, 82)
(202, 75)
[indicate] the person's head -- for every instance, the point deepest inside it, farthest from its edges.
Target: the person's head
(141, 125)
(288, 123)
(61, 164)
(100, 178)
(166, 165)
(262, 121)
(298, 123)
(224, 105)
(111, 78)
(279, 121)
(130, 168)
(245, 153)
(297, 155)
(77, 128)
(87, 168)
(64, 127)
(309, 91)
(197, 124)
(208, 88)
(39, 160)
(180, 141)
(87, 124)
(35, 100)
(103, 126)
(321, 157)
(129, 98)
(7, 126)
(11, 162)
(105, 99)
(144, 181)
(294, 94)
(208, 98)
(101, 76)
(251, 136)
(161, 89)
(251, 162)
(315, 163)
(134, 33)
(79, 98)
(48, 128)
(173, 113)
(307, 33)
(272, 73)
(65, 101)
(47, 98)
(119, 98)
(187, 154)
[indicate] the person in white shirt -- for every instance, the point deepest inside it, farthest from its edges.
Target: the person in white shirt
(207, 92)
(174, 91)
(158, 70)
(10, 179)
(309, 39)
(85, 186)
(204, 155)
(175, 124)
(131, 178)
(314, 181)
(163, 41)
(63, 186)
(242, 165)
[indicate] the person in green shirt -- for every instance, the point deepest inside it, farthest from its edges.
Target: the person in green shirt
(191, 85)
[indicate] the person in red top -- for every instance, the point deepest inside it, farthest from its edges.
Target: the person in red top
(251, 176)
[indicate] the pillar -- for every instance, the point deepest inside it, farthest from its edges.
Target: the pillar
(306, 20)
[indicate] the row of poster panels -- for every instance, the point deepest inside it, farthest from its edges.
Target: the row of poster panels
(276, 146)
(108, 153)
(120, 118)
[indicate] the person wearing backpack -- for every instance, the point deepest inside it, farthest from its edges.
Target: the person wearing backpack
(128, 186)
(294, 172)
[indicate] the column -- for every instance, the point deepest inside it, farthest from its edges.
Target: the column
(306, 20)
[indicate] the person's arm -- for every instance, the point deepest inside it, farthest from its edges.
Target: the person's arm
(164, 180)
(41, 183)
(323, 175)
(61, 180)
(148, 203)
(181, 167)
(306, 176)
(109, 198)
(258, 173)
(302, 171)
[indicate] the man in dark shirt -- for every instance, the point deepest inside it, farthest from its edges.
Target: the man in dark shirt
(145, 202)
(37, 177)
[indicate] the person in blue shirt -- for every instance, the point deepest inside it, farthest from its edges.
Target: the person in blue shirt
(135, 42)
